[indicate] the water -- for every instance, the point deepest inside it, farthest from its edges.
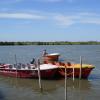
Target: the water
(27, 89)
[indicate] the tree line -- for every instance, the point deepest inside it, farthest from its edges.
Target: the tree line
(50, 43)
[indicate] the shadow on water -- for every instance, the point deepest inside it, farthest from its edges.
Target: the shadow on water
(2, 97)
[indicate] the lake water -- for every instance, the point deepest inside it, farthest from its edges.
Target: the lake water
(28, 89)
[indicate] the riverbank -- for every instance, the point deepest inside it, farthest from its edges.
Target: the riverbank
(2, 43)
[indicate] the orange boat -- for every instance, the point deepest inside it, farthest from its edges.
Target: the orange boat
(85, 69)
(54, 59)
(51, 57)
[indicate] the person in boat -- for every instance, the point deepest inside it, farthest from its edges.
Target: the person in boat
(33, 61)
(44, 52)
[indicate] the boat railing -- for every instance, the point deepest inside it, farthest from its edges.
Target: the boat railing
(24, 66)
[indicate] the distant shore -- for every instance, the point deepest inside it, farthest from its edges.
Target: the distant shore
(51, 43)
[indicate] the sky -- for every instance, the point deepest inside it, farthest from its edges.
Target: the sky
(49, 20)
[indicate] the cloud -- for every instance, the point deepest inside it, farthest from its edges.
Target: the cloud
(20, 16)
(55, 1)
(7, 2)
(58, 19)
(79, 18)
(91, 21)
(70, 1)
(90, 18)
(63, 20)
(49, 0)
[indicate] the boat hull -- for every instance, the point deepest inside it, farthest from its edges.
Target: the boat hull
(85, 72)
(28, 73)
(46, 74)
(18, 73)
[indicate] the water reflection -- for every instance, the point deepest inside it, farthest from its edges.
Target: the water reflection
(48, 85)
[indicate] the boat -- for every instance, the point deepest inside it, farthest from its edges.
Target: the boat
(85, 69)
(54, 60)
(28, 71)
(51, 57)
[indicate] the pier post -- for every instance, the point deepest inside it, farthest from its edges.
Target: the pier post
(80, 75)
(65, 82)
(16, 64)
(39, 75)
(73, 73)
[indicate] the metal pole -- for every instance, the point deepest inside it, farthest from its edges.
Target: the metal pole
(80, 76)
(39, 75)
(65, 82)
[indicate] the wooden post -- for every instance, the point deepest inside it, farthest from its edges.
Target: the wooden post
(73, 73)
(65, 82)
(16, 64)
(39, 75)
(15, 59)
(80, 75)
